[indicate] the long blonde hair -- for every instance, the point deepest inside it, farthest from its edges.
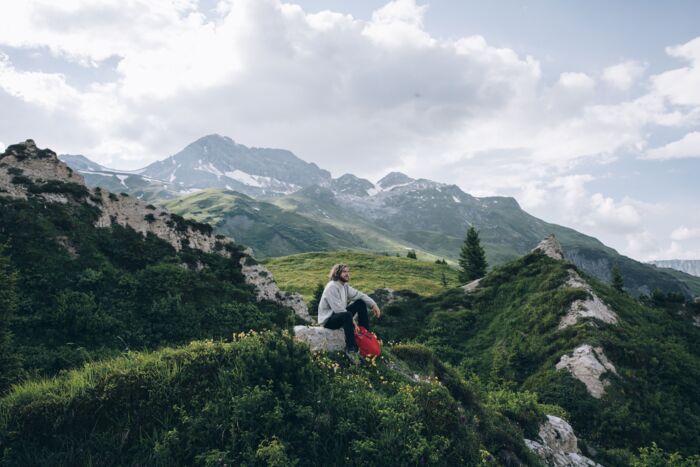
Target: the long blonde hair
(336, 271)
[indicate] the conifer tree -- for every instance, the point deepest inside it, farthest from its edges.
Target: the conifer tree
(411, 254)
(617, 281)
(472, 259)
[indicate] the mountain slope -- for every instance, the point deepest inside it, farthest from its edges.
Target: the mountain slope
(626, 373)
(269, 230)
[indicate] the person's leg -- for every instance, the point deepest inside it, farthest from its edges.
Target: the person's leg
(359, 308)
(344, 320)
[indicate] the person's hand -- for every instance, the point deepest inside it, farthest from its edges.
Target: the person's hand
(377, 312)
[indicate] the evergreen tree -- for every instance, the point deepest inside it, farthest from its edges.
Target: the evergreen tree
(9, 363)
(472, 259)
(313, 304)
(411, 254)
(616, 279)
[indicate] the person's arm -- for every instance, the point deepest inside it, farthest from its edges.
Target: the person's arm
(354, 294)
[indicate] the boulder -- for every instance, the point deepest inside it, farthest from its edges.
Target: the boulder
(321, 339)
(558, 445)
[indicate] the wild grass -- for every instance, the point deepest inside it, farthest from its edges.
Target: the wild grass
(303, 272)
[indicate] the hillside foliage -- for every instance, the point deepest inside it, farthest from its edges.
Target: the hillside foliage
(506, 334)
(84, 293)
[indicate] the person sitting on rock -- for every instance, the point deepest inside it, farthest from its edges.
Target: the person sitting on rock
(340, 303)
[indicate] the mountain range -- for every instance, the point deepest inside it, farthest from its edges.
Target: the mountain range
(279, 204)
(688, 266)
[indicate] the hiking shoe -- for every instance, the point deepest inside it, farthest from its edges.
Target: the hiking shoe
(353, 355)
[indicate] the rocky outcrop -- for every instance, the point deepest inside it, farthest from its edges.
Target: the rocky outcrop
(321, 339)
(558, 445)
(551, 247)
(588, 364)
(24, 167)
(590, 307)
(24, 163)
(266, 288)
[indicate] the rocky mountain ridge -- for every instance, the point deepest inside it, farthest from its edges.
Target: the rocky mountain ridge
(26, 171)
(688, 266)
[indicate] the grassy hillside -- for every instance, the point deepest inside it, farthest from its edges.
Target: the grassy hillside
(303, 272)
(269, 230)
(506, 334)
(263, 399)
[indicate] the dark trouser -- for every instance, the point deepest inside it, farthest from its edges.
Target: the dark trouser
(344, 320)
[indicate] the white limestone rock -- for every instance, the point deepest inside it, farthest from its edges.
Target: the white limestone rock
(588, 364)
(551, 247)
(321, 339)
(591, 307)
(266, 289)
(558, 445)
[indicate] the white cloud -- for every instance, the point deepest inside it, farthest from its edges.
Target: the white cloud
(688, 146)
(577, 81)
(623, 75)
(684, 233)
(616, 217)
(681, 86)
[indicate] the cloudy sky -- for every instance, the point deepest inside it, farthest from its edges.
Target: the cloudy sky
(587, 112)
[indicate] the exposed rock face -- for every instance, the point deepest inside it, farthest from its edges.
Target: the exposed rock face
(321, 339)
(558, 446)
(144, 218)
(472, 286)
(591, 307)
(588, 364)
(39, 166)
(551, 247)
(267, 289)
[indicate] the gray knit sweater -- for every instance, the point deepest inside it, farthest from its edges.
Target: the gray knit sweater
(336, 297)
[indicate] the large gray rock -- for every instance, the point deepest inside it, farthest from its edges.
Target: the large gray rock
(266, 288)
(321, 339)
(588, 364)
(551, 247)
(558, 445)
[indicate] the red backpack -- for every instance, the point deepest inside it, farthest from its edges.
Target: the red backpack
(367, 342)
